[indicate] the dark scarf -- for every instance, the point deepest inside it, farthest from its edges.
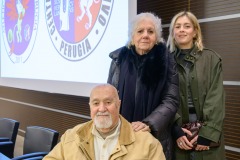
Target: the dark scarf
(139, 79)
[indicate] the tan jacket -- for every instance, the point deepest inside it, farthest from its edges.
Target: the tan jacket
(78, 143)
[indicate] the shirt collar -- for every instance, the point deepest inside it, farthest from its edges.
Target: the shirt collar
(113, 134)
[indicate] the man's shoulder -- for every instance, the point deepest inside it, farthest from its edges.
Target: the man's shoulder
(145, 137)
(72, 134)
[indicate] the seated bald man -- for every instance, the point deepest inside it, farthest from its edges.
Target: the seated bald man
(108, 136)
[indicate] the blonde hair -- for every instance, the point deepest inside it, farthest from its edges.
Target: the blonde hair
(139, 18)
(171, 43)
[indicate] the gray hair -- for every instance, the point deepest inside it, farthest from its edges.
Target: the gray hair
(139, 18)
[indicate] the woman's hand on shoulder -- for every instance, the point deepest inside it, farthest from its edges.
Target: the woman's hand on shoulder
(137, 126)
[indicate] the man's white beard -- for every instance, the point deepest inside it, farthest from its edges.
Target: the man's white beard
(103, 122)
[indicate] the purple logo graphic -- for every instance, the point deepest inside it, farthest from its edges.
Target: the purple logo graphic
(19, 23)
(77, 26)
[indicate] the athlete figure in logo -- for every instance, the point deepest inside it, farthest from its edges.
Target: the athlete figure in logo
(64, 15)
(17, 12)
(85, 6)
(21, 13)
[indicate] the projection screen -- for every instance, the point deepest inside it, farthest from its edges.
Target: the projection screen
(61, 46)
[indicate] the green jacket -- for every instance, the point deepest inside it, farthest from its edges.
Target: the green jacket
(78, 144)
(206, 83)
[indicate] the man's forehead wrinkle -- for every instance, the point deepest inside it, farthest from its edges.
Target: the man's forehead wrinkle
(102, 99)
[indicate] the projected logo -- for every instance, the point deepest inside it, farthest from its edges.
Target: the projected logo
(77, 26)
(19, 22)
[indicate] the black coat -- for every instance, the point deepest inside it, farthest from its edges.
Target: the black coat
(153, 90)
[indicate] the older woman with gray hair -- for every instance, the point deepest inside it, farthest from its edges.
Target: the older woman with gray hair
(145, 75)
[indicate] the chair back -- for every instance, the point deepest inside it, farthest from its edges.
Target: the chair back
(9, 129)
(39, 139)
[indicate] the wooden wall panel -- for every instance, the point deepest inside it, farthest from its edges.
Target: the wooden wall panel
(43, 109)
(223, 36)
(214, 8)
(232, 120)
(232, 155)
(164, 9)
(28, 116)
(63, 102)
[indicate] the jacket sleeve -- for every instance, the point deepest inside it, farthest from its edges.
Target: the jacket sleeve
(114, 71)
(214, 104)
(111, 72)
(113, 75)
(164, 114)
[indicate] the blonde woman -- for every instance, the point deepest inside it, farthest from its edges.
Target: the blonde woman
(201, 91)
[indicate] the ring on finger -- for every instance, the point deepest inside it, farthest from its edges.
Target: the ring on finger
(180, 143)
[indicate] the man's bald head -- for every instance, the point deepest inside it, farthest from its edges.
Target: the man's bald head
(102, 87)
(104, 106)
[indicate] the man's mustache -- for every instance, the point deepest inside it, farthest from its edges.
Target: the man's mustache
(102, 114)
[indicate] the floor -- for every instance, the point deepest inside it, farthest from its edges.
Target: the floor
(18, 146)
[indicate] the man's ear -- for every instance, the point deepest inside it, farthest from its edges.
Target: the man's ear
(119, 104)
